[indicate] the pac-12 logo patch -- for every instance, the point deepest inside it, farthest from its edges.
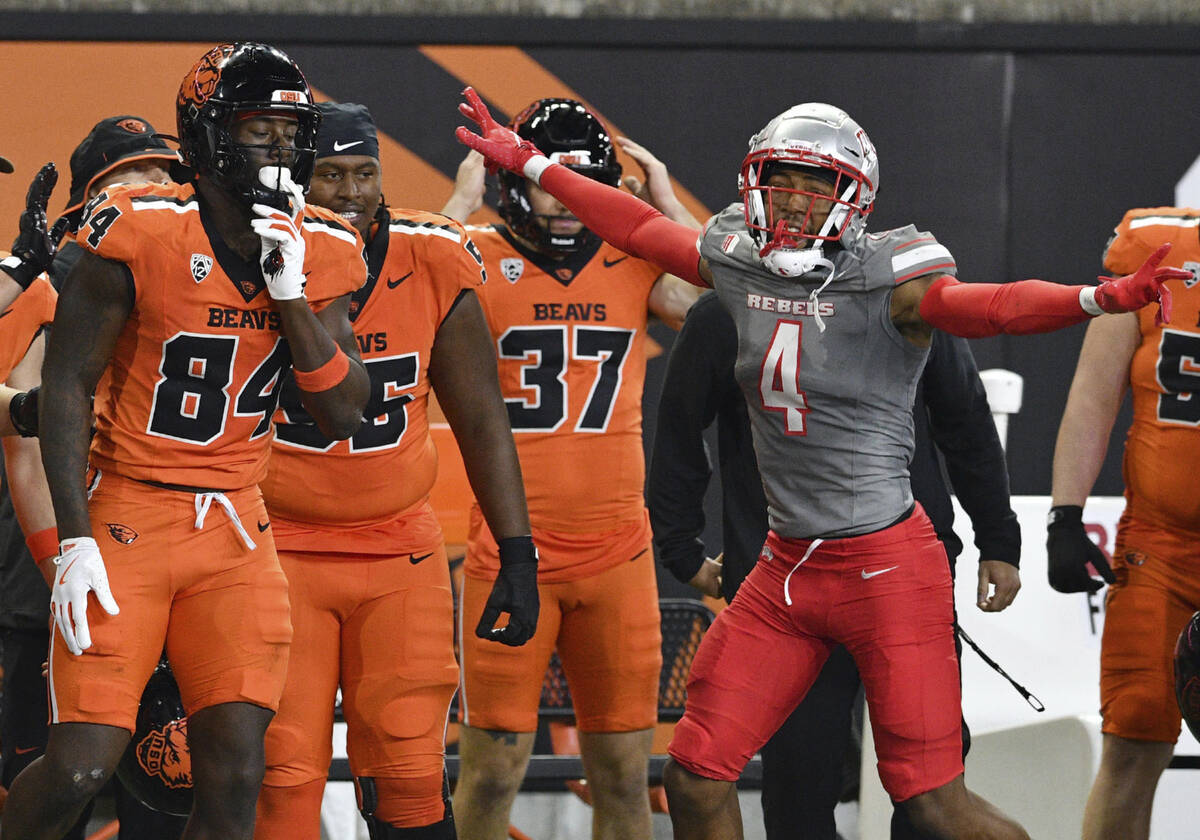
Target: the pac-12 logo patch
(201, 265)
(512, 268)
(121, 533)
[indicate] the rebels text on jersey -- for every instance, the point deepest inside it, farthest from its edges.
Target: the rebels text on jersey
(188, 395)
(828, 378)
(420, 265)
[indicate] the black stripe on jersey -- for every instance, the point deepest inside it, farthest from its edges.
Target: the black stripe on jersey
(375, 254)
(405, 223)
(245, 275)
(569, 265)
(164, 199)
(329, 223)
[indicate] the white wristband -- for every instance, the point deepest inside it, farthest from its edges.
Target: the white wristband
(535, 166)
(11, 262)
(1087, 300)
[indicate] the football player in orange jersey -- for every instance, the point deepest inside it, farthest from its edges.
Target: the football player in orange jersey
(366, 563)
(190, 303)
(568, 314)
(1155, 574)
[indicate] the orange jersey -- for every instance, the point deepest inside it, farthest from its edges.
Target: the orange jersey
(571, 337)
(420, 265)
(20, 323)
(1163, 446)
(188, 395)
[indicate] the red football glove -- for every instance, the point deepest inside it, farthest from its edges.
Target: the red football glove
(1144, 286)
(501, 146)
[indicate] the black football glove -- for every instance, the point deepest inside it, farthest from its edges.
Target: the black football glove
(1069, 549)
(23, 411)
(35, 246)
(515, 592)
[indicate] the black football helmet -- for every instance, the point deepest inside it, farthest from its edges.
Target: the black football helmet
(567, 133)
(232, 82)
(157, 764)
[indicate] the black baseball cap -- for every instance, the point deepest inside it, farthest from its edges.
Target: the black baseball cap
(5, 165)
(346, 129)
(111, 142)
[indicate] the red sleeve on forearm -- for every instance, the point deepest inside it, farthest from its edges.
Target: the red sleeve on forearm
(627, 222)
(979, 310)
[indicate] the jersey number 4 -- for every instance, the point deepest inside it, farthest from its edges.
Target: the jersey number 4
(779, 378)
(545, 350)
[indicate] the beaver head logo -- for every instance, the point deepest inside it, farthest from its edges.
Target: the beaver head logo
(164, 753)
(121, 533)
(199, 84)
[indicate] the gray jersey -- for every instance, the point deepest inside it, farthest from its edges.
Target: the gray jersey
(830, 411)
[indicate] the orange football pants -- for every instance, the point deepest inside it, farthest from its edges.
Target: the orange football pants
(185, 580)
(383, 629)
(1157, 590)
(607, 631)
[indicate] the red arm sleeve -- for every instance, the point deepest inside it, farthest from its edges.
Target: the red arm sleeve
(627, 222)
(979, 310)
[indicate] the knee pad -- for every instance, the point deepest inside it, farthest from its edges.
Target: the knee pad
(385, 801)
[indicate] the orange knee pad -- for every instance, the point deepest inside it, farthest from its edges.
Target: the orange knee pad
(289, 813)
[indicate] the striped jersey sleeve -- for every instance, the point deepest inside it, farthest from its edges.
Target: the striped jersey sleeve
(919, 254)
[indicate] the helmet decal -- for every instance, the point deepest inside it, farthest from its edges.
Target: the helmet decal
(201, 82)
(164, 754)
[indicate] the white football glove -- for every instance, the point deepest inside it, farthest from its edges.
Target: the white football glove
(80, 571)
(279, 230)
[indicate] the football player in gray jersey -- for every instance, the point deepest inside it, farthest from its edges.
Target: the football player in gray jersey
(834, 326)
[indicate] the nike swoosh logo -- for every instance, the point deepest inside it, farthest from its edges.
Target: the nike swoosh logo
(341, 147)
(610, 263)
(262, 526)
(391, 284)
(23, 750)
(868, 575)
(62, 579)
(414, 559)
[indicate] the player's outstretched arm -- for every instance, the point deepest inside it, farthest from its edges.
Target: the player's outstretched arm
(462, 371)
(978, 310)
(618, 218)
(93, 307)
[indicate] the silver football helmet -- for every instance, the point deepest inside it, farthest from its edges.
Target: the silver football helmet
(823, 138)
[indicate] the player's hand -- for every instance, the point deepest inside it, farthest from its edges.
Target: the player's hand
(500, 146)
(36, 244)
(708, 577)
(515, 592)
(468, 188)
(279, 230)
(1069, 550)
(999, 583)
(657, 190)
(1144, 286)
(80, 571)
